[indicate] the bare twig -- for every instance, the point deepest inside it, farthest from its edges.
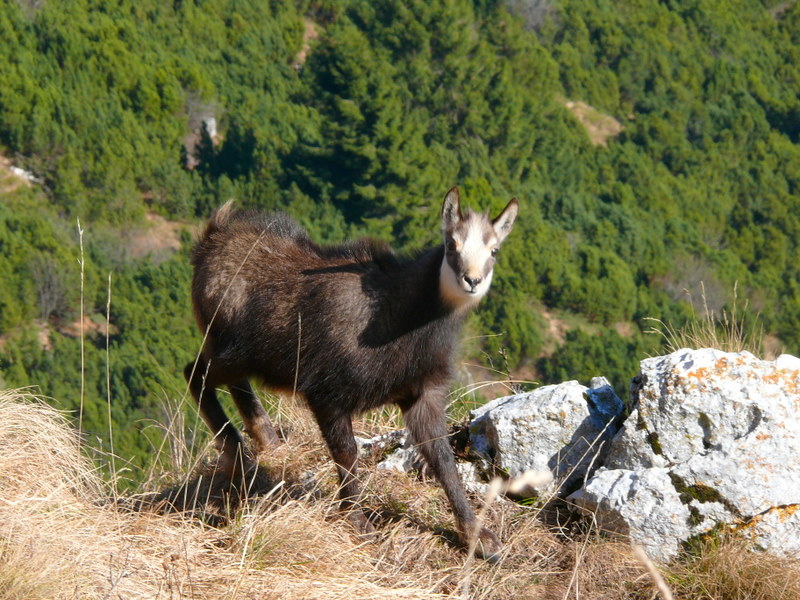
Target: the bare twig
(83, 350)
(108, 388)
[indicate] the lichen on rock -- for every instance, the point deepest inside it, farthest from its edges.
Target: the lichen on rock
(724, 429)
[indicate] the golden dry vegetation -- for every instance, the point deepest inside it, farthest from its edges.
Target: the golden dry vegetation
(65, 533)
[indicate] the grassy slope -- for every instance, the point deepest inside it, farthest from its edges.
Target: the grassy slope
(61, 536)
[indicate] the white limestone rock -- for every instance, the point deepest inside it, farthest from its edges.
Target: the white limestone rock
(619, 499)
(563, 429)
(776, 531)
(404, 460)
(381, 444)
(724, 428)
(693, 400)
(472, 479)
(396, 450)
(631, 448)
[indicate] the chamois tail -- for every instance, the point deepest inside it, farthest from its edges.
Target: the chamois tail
(219, 219)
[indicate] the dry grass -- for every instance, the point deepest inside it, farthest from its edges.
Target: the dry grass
(727, 331)
(725, 569)
(64, 534)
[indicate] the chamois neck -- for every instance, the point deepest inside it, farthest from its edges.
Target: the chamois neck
(407, 301)
(425, 277)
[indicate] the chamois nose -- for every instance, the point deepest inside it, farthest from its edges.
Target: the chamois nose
(472, 282)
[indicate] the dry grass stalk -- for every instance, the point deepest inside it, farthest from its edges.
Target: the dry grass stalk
(653, 571)
(82, 264)
(108, 387)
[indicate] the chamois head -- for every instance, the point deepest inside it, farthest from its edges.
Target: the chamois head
(471, 241)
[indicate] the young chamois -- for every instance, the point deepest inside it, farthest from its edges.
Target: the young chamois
(349, 327)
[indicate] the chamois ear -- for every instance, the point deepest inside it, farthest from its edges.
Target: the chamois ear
(451, 209)
(503, 222)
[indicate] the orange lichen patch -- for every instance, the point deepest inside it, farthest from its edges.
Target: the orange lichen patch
(721, 364)
(783, 513)
(788, 379)
(701, 373)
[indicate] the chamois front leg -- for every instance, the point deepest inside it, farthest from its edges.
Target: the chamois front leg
(337, 430)
(425, 420)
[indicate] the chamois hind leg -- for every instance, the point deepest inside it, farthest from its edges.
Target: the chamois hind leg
(203, 379)
(337, 430)
(257, 423)
(425, 421)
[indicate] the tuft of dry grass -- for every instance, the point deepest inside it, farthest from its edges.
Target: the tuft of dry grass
(724, 568)
(727, 331)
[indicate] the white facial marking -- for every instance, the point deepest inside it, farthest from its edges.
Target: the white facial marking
(471, 241)
(468, 284)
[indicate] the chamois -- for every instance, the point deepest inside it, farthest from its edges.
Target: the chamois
(349, 327)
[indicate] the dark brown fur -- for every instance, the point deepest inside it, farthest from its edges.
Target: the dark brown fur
(364, 326)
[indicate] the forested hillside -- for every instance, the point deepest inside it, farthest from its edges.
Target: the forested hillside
(356, 116)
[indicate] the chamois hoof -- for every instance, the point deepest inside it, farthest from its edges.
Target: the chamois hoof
(262, 432)
(235, 461)
(362, 525)
(488, 546)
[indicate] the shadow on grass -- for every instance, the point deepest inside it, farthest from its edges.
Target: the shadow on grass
(214, 496)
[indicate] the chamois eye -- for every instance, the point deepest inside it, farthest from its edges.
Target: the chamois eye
(451, 246)
(494, 251)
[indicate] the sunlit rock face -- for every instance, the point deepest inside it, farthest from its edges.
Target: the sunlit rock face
(713, 439)
(564, 429)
